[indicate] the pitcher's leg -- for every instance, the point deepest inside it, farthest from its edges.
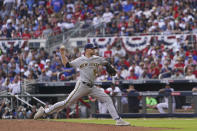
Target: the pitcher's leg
(103, 97)
(77, 93)
(102, 108)
(56, 107)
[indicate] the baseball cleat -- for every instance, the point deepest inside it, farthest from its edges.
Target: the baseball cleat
(121, 122)
(40, 113)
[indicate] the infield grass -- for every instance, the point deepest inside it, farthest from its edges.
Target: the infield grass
(178, 124)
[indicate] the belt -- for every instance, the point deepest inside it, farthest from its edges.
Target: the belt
(88, 84)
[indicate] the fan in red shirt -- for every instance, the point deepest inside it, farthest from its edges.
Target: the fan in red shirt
(108, 52)
(78, 15)
(16, 34)
(38, 32)
(179, 65)
(132, 75)
(125, 62)
(154, 70)
(56, 29)
(49, 8)
(26, 34)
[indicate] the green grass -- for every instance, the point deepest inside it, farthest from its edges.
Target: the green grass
(178, 124)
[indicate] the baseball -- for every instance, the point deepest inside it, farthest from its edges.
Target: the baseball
(62, 47)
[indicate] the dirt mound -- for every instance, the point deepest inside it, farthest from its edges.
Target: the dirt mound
(44, 125)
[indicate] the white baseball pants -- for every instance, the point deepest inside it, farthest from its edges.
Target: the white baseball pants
(102, 108)
(81, 90)
(161, 107)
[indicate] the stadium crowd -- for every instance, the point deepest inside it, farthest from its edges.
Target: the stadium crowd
(38, 19)
(22, 112)
(33, 64)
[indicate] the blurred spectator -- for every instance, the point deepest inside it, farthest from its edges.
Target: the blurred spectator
(108, 52)
(101, 74)
(189, 74)
(177, 74)
(107, 16)
(43, 76)
(164, 105)
(154, 70)
(37, 70)
(118, 75)
(31, 112)
(47, 32)
(115, 92)
(38, 32)
(190, 60)
(145, 74)
(97, 20)
(166, 68)
(5, 109)
(56, 73)
(119, 53)
(128, 6)
(133, 100)
(15, 86)
(5, 85)
(132, 75)
(57, 5)
(48, 71)
(194, 89)
(179, 64)
(177, 55)
(21, 112)
(26, 35)
(9, 4)
(151, 102)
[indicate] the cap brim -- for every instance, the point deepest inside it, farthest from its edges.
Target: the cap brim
(92, 48)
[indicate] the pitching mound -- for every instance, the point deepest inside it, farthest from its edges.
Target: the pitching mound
(39, 125)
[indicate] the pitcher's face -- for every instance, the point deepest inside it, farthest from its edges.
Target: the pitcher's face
(91, 51)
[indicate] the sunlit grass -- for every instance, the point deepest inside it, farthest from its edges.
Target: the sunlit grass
(175, 124)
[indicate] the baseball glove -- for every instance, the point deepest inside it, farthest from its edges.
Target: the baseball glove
(110, 70)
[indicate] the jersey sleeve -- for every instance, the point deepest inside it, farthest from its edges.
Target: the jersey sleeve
(102, 60)
(75, 63)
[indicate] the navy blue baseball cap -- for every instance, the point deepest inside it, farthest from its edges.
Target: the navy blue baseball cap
(89, 46)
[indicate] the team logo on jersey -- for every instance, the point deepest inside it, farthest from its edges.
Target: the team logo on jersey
(90, 64)
(83, 65)
(94, 64)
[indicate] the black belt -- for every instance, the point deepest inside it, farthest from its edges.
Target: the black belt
(88, 84)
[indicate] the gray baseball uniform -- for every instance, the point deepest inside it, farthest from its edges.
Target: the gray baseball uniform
(85, 85)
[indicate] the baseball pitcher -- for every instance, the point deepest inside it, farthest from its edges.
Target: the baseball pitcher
(88, 65)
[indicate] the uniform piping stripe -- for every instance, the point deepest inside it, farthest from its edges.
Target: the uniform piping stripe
(73, 93)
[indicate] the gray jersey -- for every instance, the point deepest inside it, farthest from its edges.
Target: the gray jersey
(88, 67)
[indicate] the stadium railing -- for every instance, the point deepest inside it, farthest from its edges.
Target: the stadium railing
(188, 110)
